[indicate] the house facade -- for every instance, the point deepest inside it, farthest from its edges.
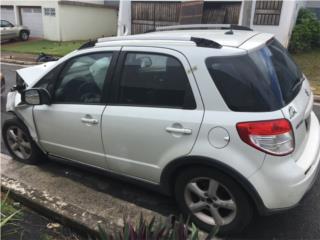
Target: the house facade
(62, 20)
(273, 16)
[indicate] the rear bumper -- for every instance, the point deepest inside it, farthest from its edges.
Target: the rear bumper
(281, 182)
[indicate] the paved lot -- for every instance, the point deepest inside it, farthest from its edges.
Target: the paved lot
(303, 222)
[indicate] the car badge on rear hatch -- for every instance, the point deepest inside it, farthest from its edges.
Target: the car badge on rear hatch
(292, 112)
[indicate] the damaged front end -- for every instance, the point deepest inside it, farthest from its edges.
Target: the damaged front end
(21, 110)
(14, 95)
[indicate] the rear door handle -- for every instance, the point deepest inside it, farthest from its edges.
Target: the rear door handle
(179, 130)
(89, 120)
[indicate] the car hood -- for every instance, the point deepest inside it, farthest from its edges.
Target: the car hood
(31, 75)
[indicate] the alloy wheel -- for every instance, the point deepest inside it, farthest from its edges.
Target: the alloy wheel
(24, 36)
(18, 142)
(210, 201)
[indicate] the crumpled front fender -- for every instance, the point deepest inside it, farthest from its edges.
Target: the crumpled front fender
(23, 112)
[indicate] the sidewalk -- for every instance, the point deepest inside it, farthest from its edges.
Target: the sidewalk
(80, 199)
(18, 58)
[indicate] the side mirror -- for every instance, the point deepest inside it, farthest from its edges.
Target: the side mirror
(36, 96)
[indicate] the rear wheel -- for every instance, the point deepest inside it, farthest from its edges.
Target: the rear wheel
(24, 35)
(211, 198)
(19, 142)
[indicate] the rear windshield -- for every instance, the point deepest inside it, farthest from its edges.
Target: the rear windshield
(263, 80)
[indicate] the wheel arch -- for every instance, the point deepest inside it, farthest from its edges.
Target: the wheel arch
(172, 170)
(32, 131)
(24, 30)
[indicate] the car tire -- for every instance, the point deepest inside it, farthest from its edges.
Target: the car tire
(19, 143)
(209, 192)
(24, 35)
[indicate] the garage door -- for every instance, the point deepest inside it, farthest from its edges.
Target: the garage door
(32, 18)
(7, 13)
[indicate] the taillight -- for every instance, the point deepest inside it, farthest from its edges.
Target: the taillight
(274, 137)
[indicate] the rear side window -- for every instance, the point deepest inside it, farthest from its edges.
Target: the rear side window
(154, 80)
(263, 80)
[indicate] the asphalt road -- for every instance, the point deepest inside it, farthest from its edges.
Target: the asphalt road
(302, 222)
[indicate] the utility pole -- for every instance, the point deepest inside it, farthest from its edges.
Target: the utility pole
(124, 18)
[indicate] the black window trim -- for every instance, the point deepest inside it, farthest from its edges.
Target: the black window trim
(106, 92)
(116, 82)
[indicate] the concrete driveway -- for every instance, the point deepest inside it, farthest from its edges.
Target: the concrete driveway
(303, 222)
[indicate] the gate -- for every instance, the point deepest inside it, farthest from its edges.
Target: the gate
(221, 12)
(146, 16)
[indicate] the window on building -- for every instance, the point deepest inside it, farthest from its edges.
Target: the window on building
(50, 12)
(267, 12)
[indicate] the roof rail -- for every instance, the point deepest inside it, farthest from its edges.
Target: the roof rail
(200, 42)
(89, 44)
(203, 26)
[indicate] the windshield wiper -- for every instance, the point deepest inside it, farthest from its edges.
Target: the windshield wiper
(297, 84)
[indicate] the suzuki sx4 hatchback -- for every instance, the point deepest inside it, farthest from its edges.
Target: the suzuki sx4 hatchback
(219, 118)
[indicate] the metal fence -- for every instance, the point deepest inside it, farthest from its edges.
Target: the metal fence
(267, 12)
(146, 16)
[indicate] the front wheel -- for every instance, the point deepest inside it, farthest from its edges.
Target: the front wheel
(19, 142)
(211, 198)
(24, 35)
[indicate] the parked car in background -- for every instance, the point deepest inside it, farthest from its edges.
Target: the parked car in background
(9, 31)
(221, 118)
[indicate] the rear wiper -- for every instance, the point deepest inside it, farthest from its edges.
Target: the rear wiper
(297, 84)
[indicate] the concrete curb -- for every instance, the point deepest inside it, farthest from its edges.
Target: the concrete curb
(50, 200)
(41, 203)
(15, 61)
(54, 208)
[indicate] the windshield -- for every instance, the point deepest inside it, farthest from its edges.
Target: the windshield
(266, 79)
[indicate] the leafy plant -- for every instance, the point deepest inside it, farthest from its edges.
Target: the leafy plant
(8, 212)
(156, 230)
(306, 33)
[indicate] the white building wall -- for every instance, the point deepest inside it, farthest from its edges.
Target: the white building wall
(51, 29)
(83, 23)
(288, 16)
(71, 22)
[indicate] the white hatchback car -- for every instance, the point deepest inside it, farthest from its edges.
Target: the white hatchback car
(220, 118)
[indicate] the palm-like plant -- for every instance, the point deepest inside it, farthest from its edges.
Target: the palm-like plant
(156, 230)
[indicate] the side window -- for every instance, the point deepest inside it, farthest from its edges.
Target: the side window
(157, 80)
(82, 79)
(5, 24)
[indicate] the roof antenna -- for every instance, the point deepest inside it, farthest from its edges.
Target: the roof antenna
(230, 32)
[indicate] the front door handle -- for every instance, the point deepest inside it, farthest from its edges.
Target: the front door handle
(89, 120)
(179, 130)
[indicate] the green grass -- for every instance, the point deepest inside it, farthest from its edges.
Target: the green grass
(309, 63)
(45, 46)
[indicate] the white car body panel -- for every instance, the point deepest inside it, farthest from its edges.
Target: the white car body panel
(132, 127)
(32, 75)
(63, 134)
(133, 140)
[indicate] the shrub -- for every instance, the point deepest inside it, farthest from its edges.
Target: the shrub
(306, 33)
(156, 230)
